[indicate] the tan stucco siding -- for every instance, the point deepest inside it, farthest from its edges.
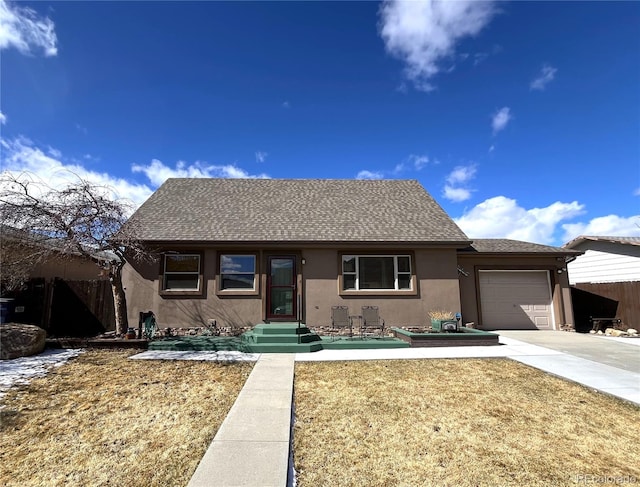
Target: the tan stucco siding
(320, 285)
(469, 293)
(142, 283)
(436, 284)
(437, 288)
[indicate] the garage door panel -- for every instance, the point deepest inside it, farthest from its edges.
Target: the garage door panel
(515, 300)
(542, 322)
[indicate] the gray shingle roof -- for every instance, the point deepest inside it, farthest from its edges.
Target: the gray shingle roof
(299, 210)
(504, 245)
(584, 238)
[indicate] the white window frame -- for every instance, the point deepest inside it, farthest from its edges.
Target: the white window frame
(396, 273)
(255, 263)
(168, 273)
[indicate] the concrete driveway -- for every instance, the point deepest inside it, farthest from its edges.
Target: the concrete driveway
(622, 353)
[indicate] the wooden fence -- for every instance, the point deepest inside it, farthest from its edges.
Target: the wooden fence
(607, 300)
(81, 308)
(67, 308)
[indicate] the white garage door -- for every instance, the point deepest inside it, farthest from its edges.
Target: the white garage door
(516, 300)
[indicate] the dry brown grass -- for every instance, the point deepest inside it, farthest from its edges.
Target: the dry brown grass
(455, 422)
(104, 420)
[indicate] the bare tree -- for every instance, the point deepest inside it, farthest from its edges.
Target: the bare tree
(18, 256)
(80, 219)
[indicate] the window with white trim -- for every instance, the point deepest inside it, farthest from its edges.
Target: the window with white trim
(237, 272)
(181, 272)
(376, 272)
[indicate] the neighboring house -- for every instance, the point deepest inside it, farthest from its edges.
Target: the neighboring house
(58, 289)
(605, 259)
(32, 257)
(24, 256)
(246, 251)
(609, 271)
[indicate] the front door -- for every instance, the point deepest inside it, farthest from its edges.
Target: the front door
(281, 288)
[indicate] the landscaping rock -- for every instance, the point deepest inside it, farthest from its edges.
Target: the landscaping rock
(632, 331)
(20, 340)
(618, 333)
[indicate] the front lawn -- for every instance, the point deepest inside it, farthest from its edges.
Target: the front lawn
(486, 422)
(102, 419)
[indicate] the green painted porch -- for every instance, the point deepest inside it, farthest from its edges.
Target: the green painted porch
(275, 338)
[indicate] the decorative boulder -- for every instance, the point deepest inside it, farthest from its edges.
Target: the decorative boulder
(18, 340)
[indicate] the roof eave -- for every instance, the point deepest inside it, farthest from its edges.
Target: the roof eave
(521, 253)
(458, 244)
(592, 238)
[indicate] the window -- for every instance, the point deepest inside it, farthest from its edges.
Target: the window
(181, 272)
(376, 272)
(237, 272)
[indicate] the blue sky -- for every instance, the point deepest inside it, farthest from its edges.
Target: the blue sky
(521, 118)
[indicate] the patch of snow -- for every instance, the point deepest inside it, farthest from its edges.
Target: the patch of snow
(22, 370)
(214, 356)
(292, 475)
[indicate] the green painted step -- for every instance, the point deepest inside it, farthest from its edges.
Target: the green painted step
(275, 338)
(280, 329)
(284, 347)
(250, 337)
(363, 344)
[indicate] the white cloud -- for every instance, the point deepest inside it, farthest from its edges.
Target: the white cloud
(53, 152)
(424, 33)
(455, 188)
(418, 161)
(636, 192)
(261, 156)
(22, 28)
(21, 156)
(3, 118)
(414, 161)
(286, 104)
(369, 175)
(456, 194)
(610, 225)
(492, 148)
(545, 76)
(82, 129)
(502, 217)
(500, 119)
(402, 88)
(462, 174)
(157, 172)
(479, 57)
(91, 158)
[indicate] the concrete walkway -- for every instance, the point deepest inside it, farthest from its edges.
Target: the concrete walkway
(594, 373)
(622, 353)
(252, 445)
